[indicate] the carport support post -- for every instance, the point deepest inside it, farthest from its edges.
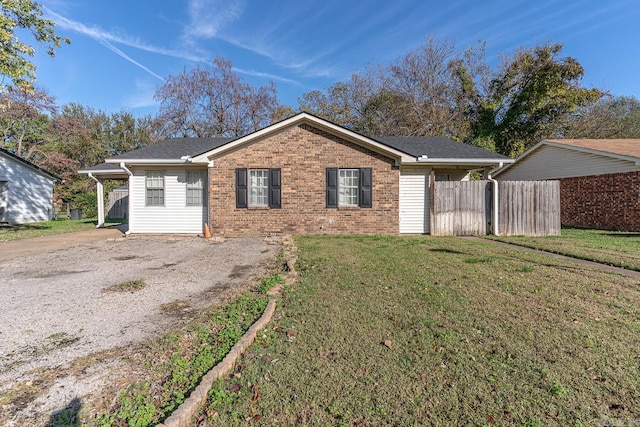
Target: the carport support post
(100, 196)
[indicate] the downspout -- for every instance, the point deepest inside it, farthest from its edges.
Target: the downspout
(496, 228)
(99, 200)
(123, 167)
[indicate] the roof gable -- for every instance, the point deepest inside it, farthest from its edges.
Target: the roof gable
(629, 148)
(614, 149)
(27, 163)
(306, 118)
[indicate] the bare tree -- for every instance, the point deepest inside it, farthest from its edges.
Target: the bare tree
(612, 117)
(213, 102)
(24, 118)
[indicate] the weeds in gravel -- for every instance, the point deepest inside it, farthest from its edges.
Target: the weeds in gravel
(128, 286)
(59, 340)
(178, 362)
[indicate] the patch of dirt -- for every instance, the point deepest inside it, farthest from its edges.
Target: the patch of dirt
(239, 271)
(66, 344)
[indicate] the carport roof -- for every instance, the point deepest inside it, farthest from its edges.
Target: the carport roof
(172, 149)
(435, 147)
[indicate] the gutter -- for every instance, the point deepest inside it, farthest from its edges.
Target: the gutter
(181, 161)
(465, 161)
(496, 218)
(124, 168)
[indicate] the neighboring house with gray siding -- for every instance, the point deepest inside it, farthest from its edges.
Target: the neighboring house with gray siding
(599, 179)
(303, 175)
(26, 191)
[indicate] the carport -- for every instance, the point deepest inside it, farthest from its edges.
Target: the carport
(99, 173)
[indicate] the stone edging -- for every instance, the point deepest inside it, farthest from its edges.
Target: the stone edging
(183, 416)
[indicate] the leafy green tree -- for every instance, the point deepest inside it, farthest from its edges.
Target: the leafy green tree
(526, 99)
(14, 54)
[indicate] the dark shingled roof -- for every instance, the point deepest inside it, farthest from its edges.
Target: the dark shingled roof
(431, 146)
(174, 148)
(435, 147)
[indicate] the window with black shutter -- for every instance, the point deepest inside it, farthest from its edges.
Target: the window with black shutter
(347, 187)
(258, 188)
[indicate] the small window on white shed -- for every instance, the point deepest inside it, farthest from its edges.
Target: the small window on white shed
(443, 177)
(195, 188)
(154, 186)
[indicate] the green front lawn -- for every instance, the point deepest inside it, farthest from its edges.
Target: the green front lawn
(37, 229)
(439, 331)
(618, 248)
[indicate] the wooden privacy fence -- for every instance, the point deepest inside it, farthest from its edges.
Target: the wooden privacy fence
(118, 204)
(465, 208)
(459, 208)
(529, 208)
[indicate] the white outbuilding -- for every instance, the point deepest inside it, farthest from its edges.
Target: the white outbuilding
(26, 190)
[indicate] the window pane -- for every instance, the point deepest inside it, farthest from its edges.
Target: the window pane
(348, 182)
(258, 187)
(195, 188)
(154, 183)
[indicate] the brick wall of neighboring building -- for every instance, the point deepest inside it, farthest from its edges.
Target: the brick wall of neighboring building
(303, 153)
(608, 202)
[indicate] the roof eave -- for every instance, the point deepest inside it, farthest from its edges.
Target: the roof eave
(463, 161)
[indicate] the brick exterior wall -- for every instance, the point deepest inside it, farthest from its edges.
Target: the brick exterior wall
(303, 153)
(607, 202)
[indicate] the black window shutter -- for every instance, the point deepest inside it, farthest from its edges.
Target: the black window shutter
(332, 187)
(274, 189)
(241, 188)
(365, 188)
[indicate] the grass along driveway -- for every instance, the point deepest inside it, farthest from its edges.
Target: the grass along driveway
(439, 331)
(46, 228)
(618, 248)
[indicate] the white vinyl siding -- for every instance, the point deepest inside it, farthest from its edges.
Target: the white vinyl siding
(174, 216)
(27, 194)
(549, 162)
(154, 188)
(259, 187)
(414, 200)
(348, 185)
(195, 188)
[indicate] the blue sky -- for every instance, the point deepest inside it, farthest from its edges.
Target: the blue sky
(122, 50)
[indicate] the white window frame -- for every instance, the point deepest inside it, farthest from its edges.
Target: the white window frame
(154, 182)
(348, 187)
(195, 188)
(258, 187)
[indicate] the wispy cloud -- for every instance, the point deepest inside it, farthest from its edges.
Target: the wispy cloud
(143, 97)
(110, 39)
(208, 17)
(266, 75)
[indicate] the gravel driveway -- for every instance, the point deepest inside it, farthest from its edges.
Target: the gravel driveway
(64, 305)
